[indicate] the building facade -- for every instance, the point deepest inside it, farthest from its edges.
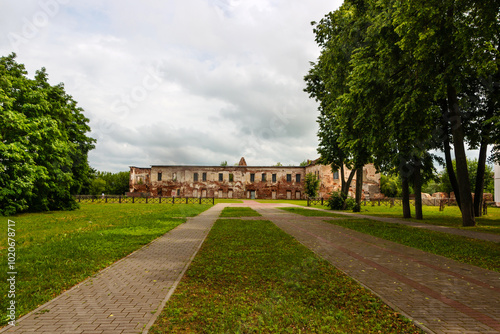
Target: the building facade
(241, 181)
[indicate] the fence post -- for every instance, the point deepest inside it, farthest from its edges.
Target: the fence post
(379, 202)
(159, 200)
(200, 199)
(133, 198)
(213, 200)
(308, 202)
(321, 200)
(186, 200)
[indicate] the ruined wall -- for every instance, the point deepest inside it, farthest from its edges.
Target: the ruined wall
(331, 181)
(236, 181)
(140, 180)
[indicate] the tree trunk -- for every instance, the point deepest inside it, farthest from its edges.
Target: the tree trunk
(481, 166)
(417, 187)
(359, 188)
(405, 190)
(466, 204)
(447, 154)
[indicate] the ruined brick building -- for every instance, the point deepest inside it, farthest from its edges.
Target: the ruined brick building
(241, 181)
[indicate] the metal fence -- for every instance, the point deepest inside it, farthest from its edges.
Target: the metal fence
(96, 199)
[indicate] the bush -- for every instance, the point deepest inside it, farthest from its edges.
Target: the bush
(339, 201)
(350, 203)
(336, 201)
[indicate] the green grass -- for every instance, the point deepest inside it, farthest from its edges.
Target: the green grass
(451, 216)
(239, 212)
(251, 277)
(56, 250)
(480, 253)
(313, 213)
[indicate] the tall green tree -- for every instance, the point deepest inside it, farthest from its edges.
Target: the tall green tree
(43, 142)
(311, 185)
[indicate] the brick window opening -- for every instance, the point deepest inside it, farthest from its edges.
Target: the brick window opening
(204, 176)
(252, 177)
(297, 178)
(231, 177)
(263, 177)
(274, 177)
(195, 177)
(288, 177)
(178, 192)
(159, 176)
(221, 177)
(336, 175)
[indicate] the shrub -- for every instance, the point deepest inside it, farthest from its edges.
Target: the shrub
(336, 200)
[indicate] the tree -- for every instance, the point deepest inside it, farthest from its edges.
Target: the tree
(43, 142)
(398, 79)
(454, 45)
(304, 163)
(110, 183)
(311, 185)
(278, 164)
(223, 163)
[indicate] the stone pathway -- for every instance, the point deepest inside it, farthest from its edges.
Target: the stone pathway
(439, 294)
(127, 296)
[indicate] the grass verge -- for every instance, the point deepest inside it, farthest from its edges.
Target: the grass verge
(451, 216)
(313, 213)
(480, 253)
(239, 212)
(56, 250)
(251, 277)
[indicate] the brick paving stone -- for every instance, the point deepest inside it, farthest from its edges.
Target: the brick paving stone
(439, 294)
(131, 289)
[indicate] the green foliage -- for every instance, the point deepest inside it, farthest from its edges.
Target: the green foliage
(311, 185)
(472, 165)
(340, 201)
(43, 143)
(110, 183)
(223, 163)
(305, 163)
(390, 186)
(278, 164)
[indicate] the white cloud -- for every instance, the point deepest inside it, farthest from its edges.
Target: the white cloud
(178, 82)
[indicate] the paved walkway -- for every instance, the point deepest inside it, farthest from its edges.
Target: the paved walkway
(127, 296)
(439, 294)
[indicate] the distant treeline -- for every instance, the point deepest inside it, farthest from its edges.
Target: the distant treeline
(108, 183)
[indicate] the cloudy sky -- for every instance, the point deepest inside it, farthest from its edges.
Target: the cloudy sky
(178, 81)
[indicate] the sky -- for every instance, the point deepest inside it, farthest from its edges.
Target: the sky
(193, 82)
(178, 82)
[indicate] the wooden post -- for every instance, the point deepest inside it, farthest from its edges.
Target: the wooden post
(186, 200)
(133, 200)
(321, 200)
(146, 200)
(200, 199)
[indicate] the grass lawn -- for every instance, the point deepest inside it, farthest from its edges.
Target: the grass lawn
(480, 253)
(313, 213)
(239, 212)
(56, 250)
(251, 277)
(451, 216)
